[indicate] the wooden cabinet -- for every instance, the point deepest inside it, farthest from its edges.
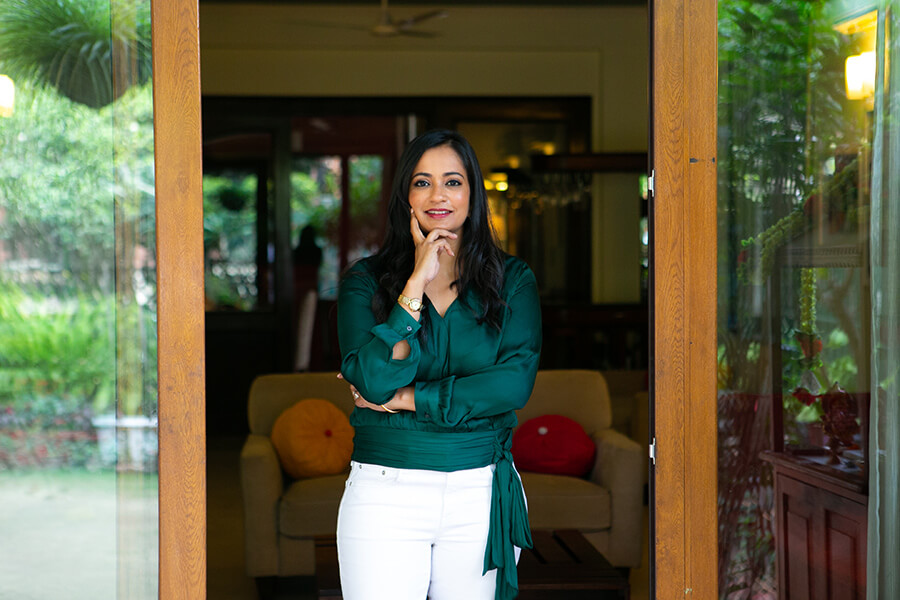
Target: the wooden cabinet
(821, 528)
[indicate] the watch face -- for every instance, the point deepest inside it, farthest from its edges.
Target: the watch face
(414, 304)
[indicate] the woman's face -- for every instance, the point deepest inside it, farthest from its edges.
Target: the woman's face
(439, 190)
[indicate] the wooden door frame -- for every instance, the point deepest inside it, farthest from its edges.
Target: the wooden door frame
(683, 90)
(683, 142)
(180, 299)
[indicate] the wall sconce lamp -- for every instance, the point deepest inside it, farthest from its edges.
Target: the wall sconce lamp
(7, 96)
(859, 74)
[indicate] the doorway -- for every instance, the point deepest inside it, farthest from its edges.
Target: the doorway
(511, 55)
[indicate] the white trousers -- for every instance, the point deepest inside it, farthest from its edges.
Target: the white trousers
(403, 534)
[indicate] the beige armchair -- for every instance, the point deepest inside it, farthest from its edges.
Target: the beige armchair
(282, 516)
(608, 505)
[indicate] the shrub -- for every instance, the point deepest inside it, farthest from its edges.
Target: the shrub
(62, 349)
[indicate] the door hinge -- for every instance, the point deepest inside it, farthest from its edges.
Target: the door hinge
(651, 183)
(653, 452)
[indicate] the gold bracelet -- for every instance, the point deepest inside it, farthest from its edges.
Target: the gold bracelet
(393, 412)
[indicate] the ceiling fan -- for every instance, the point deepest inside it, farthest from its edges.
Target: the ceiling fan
(387, 26)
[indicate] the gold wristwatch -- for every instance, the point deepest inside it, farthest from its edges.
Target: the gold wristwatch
(414, 304)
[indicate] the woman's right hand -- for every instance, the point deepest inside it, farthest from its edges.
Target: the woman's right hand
(428, 249)
(404, 399)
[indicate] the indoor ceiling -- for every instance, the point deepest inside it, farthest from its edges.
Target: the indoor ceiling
(340, 26)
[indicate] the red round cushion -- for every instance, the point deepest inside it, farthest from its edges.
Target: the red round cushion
(553, 444)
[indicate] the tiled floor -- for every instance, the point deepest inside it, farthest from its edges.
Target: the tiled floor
(225, 568)
(226, 579)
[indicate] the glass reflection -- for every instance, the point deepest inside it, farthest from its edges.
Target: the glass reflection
(317, 202)
(366, 175)
(796, 130)
(232, 253)
(78, 397)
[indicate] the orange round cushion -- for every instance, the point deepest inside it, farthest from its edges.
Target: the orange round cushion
(313, 438)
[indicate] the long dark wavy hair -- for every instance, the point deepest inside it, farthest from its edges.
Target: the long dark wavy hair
(479, 259)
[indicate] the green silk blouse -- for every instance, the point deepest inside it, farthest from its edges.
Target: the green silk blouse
(469, 379)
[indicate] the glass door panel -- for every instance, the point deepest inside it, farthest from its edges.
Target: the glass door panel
(884, 451)
(78, 374)
(804, 184)
(238, 264)
(316, 201)
(367, 211)
(337, 217)
(343, 231)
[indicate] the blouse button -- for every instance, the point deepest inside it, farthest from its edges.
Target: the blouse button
(409, 327)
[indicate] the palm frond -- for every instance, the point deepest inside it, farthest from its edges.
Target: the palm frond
(76, 46)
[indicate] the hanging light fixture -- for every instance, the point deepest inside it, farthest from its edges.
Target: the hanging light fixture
(7, 96)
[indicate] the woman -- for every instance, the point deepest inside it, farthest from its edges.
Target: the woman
(440, 334)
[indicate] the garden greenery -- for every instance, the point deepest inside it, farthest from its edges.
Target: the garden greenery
(77, 281)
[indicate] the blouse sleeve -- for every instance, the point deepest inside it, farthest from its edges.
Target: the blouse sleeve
(367, 346)
(501, 387)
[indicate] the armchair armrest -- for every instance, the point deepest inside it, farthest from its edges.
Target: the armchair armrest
(619, 469)
(262, 485)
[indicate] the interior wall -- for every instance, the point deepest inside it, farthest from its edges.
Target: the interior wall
(317, 50)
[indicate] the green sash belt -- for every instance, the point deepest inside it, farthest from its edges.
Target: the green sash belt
(410, 449)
